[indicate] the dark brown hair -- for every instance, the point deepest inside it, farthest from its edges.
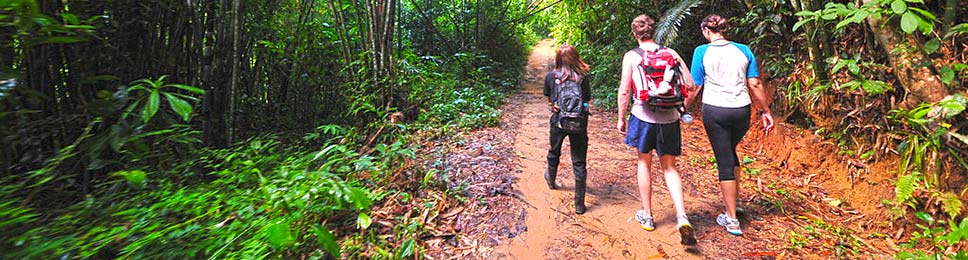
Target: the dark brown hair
(643, 27)
(569, 64)
(715, 23)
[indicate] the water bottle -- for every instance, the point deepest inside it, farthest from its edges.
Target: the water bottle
(686, 118)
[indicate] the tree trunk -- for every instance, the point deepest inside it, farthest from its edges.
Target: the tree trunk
(919, 82)
(214, 105)
(234, 80)
(817, 57)
(952, 9)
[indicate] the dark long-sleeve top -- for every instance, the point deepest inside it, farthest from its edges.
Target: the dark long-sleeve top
(549, 87)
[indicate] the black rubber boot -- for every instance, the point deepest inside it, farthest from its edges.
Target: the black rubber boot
(580, 194)
(550, 175)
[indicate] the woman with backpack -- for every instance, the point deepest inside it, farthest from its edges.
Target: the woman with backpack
(728, 74)
(568, 94)
(650, 127)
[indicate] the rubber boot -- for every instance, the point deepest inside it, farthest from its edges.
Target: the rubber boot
(550, 174)
(580, 194)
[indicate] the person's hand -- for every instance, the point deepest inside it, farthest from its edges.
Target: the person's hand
(767, 121)
(554, 107)
(621, 125)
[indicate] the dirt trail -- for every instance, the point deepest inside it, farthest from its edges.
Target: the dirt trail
(789, 182)
(607, 230)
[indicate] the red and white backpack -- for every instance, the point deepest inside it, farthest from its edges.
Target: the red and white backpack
(657, 80)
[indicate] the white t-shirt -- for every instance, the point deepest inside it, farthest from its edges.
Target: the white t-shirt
(722, 69)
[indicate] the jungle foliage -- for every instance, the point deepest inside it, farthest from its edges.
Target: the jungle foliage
(234, 128)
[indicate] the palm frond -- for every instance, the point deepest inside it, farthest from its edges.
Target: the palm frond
(667, 30)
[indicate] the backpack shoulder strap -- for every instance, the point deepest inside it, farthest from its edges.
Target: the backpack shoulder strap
(639, 51)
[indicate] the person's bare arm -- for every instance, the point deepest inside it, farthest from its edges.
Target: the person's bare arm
(759, 95)
(624, 92)
(687, 79)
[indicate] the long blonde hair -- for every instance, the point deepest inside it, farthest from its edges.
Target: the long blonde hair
(569, 64)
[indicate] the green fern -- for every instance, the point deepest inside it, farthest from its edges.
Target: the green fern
(951, 204)
(667, 30)
(904, 188)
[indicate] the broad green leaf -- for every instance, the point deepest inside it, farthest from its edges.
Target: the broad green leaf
(279, 235)
(363, 221)
(909, 22)
(953, 106)
(805, 13)
(841, 24)
(183, 96)
(61, 40)
(151, 107)
(919, 113)
(860, 15)
(188, 88)
(951, 204)
(328, 241)
(958, 232)
(925, 26)
(904, 188)
(899, 6)
(928, 16)
(800, 23)
(932, 45)
(407, 249)
(875, 87)
(360, 198)
(79, 27)
(181, 107)
(853, 68)
(135, 178)
(840, 65)
(129, 109)
(829, 16)
(960, 28)
(924, 216)
(70, 18)
(947, 74)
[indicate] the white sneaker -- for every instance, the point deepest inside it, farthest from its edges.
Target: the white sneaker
(687, 235)
(645, 221)
(731, 224)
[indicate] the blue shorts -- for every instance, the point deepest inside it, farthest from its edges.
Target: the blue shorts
(666, 139)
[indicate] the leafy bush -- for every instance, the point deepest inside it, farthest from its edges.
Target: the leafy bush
(469, 101)
(256, 200)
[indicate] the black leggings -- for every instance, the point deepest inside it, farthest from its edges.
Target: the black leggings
(725, 127)
(579, 149)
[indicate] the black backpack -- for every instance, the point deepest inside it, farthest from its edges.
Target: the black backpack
(571, 107)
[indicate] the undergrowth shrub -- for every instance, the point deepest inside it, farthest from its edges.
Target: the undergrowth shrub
(467, 101)
(256, 200)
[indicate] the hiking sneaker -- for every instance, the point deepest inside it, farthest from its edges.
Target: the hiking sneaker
(731, 224)
(644, 220)
(687, 235)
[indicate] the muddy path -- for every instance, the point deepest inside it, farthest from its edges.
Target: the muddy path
(607, 230)
(788, 185)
